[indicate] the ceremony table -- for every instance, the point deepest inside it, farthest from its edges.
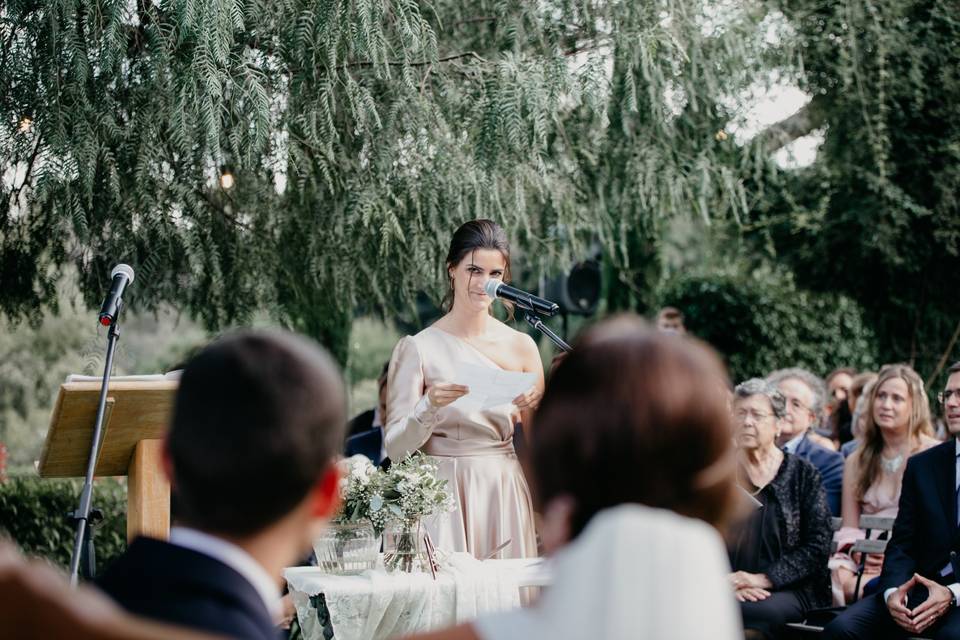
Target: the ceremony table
(376, 605)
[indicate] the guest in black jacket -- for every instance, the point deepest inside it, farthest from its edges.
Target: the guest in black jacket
(919, 584)
(779, 555)
(258, 420)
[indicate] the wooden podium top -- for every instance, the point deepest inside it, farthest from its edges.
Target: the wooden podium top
(135, 411)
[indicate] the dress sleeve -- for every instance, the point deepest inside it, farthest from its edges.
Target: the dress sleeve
(410, 417)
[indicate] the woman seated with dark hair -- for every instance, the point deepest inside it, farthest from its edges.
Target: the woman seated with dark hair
(632, 471)
(779, 554)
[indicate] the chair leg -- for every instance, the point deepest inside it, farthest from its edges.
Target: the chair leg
(860, 570)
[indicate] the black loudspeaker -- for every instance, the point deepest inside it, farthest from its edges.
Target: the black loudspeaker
(577, 291)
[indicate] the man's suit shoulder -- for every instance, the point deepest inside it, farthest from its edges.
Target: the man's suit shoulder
(819, 453)
(177, 585)
(924, 458)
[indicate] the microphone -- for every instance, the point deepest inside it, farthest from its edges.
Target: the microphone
(122, 275)
(524, 300)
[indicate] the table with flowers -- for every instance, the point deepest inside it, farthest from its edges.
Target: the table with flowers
(377, 604)
(358, 593)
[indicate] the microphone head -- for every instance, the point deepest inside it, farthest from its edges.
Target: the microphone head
(125, 269)
(492, 287)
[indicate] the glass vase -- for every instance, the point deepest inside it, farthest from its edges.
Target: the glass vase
(347, 548)
(403, 547)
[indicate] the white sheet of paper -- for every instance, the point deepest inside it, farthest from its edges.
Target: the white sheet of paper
(490, 387)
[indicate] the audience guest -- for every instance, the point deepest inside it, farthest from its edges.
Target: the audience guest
(859, 395)
(670, 320)
(857, 421)
(897, 426)
(365, 431)
(919, 583)
(804, 395)
(838, 423)
(372, 418)
(257, 422)
(779, 556)
(857, 388)
(660, 437)
(839, 382)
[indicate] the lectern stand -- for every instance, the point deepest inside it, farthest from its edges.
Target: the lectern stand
(135, 420)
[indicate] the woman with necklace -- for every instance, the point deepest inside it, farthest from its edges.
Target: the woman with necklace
(473, 447)
(778, 554)
(897, 425)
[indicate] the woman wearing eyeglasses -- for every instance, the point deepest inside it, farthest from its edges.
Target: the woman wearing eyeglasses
(897, 426)
(779, 554)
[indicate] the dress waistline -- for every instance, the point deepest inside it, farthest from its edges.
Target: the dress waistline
(451, 448)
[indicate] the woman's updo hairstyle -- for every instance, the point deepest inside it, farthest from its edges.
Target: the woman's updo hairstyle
(470, 236)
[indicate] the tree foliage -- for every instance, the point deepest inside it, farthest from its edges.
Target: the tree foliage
(359, 134)
(761, 322)
(877, 216)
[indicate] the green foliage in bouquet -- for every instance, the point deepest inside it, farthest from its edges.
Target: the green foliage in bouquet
(408, 491)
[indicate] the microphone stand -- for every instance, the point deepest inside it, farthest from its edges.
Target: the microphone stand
(536, 322)
(83, 543)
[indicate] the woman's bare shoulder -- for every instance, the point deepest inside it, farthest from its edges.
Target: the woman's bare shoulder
(518, 339)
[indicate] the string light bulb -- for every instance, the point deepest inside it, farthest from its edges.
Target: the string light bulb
(226, 179)
(25, 125)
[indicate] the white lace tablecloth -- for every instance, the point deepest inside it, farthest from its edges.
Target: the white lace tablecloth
(378, 605)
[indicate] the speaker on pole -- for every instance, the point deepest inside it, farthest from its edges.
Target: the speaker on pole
(578, 290)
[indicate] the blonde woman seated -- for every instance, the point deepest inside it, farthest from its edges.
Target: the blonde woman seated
(896, 426)
(631, 470)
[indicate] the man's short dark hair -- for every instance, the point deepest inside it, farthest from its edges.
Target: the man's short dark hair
(670, 313)
(258, 418)
(954, 368)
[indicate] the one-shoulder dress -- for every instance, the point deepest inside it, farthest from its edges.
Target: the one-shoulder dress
(473, 448)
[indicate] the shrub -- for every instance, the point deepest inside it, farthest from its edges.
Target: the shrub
(763, 322)
(33, 512)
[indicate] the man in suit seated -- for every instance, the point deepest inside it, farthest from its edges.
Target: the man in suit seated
(258, 420)
(805, 394)
(365, 431)
(919, 585)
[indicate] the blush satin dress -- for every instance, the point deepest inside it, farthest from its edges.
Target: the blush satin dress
(474, 449)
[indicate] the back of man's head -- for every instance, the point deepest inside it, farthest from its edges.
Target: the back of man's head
(258, 418)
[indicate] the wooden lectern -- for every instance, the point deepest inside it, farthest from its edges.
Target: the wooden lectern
(135, 420)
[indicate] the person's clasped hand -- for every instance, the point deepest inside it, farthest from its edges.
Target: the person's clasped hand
(750, 587)
(443, 393)
(920, 618)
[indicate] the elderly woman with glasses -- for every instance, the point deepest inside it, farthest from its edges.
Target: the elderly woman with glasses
(779, 553)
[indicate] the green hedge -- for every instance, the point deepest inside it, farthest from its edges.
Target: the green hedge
(762, 322)
(33, 513)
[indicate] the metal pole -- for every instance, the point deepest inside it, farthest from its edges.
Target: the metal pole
(82, 515)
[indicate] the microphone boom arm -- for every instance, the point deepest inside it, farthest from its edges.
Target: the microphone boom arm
(536, 322)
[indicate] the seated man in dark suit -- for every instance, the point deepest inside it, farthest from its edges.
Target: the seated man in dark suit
(365, 431)
(919, 584)
(258, 420)
(805, 394)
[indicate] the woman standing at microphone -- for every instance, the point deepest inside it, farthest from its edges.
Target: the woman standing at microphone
(473, 448)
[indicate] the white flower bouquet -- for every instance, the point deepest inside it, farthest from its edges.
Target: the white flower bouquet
(396, 499)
